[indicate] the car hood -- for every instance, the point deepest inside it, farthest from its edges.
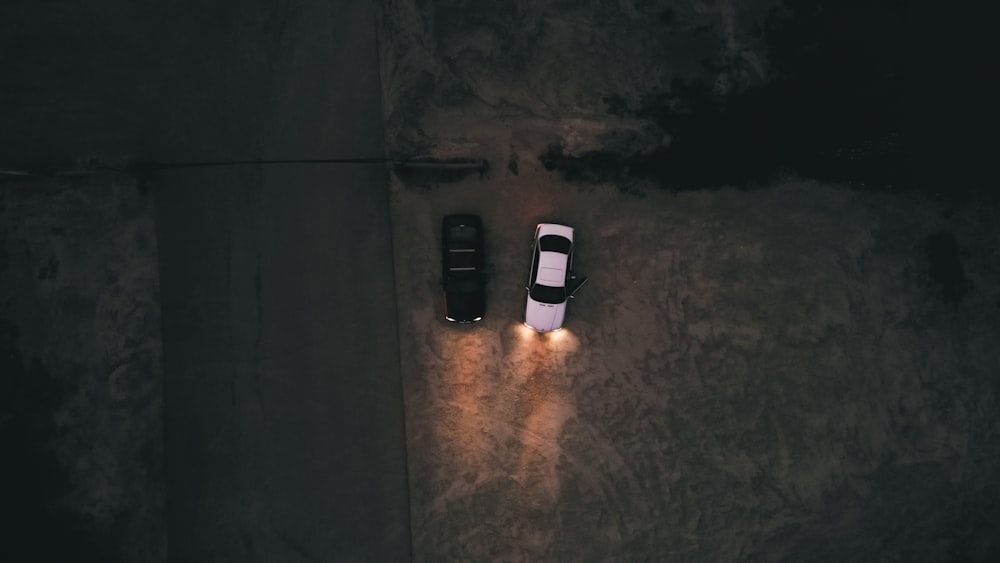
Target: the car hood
(465, 307)
(544, 317)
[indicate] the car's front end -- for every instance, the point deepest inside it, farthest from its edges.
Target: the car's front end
(544, 317)
(465, 300)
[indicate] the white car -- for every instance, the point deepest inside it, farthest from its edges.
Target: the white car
(548, 287)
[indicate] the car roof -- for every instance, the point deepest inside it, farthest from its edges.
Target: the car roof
(552, 268)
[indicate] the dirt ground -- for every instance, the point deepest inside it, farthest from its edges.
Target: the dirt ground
(766, 375)
(781, 370)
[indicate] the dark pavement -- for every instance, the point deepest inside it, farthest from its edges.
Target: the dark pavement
(284, 421)
(117, 80)
(284, 417)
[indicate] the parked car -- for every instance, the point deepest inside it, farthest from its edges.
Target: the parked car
(551, 282)
(463, 268)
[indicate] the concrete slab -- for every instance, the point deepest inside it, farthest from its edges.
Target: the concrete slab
(283, 404)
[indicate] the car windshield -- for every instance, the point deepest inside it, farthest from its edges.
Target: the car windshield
(464, 285)
(554, 243)
(547, 294)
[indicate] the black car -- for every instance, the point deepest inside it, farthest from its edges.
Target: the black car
(463, 265)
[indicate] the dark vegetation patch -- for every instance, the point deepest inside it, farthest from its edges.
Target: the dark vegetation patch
(36, 526)
(11, 367)
(429, 172)
(512, 164)
(832, 112)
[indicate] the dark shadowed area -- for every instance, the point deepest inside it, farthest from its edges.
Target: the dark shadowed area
(270, 429)
(82, 376)
(786, 350)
